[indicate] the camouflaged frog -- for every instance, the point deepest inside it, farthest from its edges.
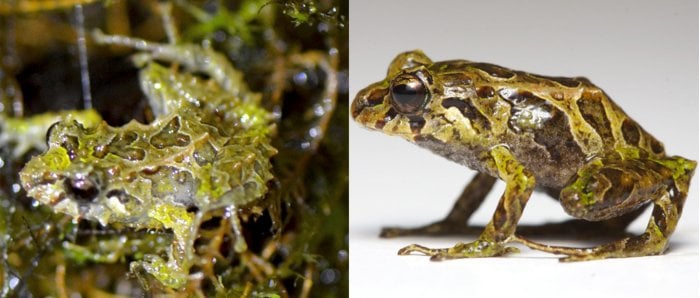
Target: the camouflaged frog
(208, 148)
(561, 134)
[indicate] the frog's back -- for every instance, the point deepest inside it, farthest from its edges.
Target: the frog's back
(554, 125)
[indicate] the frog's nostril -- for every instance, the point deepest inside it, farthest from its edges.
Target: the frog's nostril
(368, 97)
(81, 188)
(357, 106)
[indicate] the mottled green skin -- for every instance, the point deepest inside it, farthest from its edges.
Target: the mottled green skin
(562, 134)
(207, 148)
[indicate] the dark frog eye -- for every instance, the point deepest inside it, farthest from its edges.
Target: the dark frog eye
(408, 94)
(83, 189)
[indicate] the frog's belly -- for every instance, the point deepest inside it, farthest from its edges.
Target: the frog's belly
(552, 169)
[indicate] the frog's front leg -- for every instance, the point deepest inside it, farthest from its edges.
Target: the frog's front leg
(455, 222)
(606, 189)
(500, 230)
(174, 272)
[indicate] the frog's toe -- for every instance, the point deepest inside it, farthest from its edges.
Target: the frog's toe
(167, 273)
(476, 249)
(420, 250)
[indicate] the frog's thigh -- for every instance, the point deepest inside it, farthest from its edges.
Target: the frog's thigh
(605, 189)
(665, 181)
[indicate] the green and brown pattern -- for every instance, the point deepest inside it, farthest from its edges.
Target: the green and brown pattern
(563, 134)
(208, 148)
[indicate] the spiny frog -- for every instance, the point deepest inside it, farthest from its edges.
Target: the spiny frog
(561, 134)
(208, 148)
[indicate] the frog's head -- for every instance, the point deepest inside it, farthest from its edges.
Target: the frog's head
(397, 104)
(418, 99)
(74, 177)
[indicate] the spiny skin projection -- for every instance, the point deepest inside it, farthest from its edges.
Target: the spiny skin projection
(26, 133)
(206, 149)
(563, 134)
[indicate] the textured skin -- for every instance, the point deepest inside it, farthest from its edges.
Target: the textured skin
(563, 134)
(24, 134)
(208, 148)
(190, 157)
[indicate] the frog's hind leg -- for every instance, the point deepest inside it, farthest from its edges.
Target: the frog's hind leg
(606, 189)
(455, 223)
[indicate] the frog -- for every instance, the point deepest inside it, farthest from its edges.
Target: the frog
(563, 135)
(207, 149)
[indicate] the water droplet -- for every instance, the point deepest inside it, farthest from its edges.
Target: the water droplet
(330, 276)
(16, 188)
(314, 132)
(319, 110)
(342, 255)
(300, 78)
(322, 27)
(220, 36)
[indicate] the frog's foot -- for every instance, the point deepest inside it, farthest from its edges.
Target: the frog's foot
(643, 245)
(170, 274)
(439, 228)
(476, 249)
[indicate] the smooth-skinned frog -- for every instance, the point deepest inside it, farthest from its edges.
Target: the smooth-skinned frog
(564, 135)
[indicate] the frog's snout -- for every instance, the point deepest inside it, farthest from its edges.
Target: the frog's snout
(358, 104)
(369, 97)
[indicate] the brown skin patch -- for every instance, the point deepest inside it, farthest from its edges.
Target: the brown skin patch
(376, 97)
(468, 110)
(416, 123)
(458, 103)
(170, 136)
(456, 79)
(593, 112)
(630, 131)
(121, 146)
(485, 92)
(656, 146)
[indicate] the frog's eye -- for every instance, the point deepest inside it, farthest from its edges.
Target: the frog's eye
(81, 188)
(408, 94)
